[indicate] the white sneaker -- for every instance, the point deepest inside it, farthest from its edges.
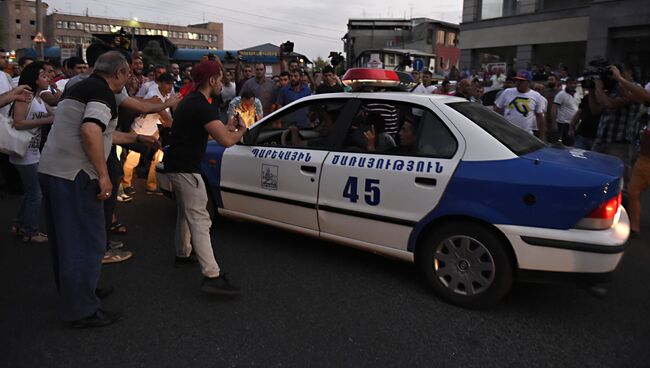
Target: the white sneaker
(124, 198)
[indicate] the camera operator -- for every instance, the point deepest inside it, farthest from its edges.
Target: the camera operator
(631, 90)
(617, 128)
(584, 124)
(640, 177)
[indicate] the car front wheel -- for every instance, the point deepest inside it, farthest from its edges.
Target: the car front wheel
(466, 264)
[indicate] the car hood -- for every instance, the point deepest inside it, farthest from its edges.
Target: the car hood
(578, 159)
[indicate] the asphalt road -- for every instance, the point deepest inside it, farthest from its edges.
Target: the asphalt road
(307, 303)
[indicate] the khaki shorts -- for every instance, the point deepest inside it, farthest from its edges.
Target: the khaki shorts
(640, 180)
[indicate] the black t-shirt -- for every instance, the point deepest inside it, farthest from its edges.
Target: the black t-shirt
(589, 122)
(324, 88)
(188, 137)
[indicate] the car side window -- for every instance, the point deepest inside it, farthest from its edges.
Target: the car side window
(307, 125)
(396, 128)
(435, 138)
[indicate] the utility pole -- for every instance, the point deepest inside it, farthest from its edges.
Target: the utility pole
(39, 30)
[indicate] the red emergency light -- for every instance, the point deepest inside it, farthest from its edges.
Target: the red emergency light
(359, 78)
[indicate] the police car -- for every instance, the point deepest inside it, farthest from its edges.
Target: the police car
(435, 180)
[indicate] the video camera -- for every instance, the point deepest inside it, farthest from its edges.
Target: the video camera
(229, 58)
(599, 69)
(406, 60)
(287, 47)
(335, 58)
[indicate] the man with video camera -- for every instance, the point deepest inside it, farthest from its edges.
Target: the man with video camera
(640, 177)
(618, 127)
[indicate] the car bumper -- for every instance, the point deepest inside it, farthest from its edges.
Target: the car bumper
(574, 251)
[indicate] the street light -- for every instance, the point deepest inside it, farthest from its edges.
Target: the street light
(134, 45)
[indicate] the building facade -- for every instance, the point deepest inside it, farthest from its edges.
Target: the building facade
(78, 29)
(18, 22)
(18, 19)
(389, 39)
(570, 32)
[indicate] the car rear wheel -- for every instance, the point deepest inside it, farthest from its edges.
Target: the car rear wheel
(466, 264)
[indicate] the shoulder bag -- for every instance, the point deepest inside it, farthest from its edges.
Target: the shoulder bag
(13, 141)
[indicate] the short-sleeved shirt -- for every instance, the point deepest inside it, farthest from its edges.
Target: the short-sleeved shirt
(144, 88)
(264, 91)
(421, 88)
(544, 108)
(498, 81)
(567, 106)
(35, 111)
(147, 124)
(288, 95)
(228, 91)
(189, 137)
(5, 86)
(520, 108)
(89, 101)
(247, 116)
(620, 125)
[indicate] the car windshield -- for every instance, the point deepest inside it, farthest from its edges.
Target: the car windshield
(517, 140)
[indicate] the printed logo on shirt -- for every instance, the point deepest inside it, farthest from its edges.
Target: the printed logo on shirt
(521, 105)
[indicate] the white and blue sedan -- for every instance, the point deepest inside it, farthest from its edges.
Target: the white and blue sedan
(435, 180)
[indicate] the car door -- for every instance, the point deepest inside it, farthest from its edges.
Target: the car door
(274, 177)
(376, 198)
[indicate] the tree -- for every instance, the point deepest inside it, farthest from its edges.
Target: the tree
(154, 54)
(320, 63)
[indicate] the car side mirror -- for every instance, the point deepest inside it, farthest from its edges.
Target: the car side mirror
(247, 139)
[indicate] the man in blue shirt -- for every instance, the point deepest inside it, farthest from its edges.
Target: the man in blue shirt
(294, 91)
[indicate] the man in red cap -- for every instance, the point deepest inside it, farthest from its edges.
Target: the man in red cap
(195, 119)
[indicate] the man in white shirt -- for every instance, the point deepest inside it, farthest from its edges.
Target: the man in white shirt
(76, 66)
(152, 84)
(565, 106)
(6, 84)
(426, 86)
(522, 106)
(498, 80)
(147, 124)
(539, 87)
(18, 68)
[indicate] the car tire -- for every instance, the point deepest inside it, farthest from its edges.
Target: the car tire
(466, 264)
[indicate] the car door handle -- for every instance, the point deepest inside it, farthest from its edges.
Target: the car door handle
(430, 182)
(308, 169)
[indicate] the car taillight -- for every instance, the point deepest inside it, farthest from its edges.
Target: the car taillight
(602, 217)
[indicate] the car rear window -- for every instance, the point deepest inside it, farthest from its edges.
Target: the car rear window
(517, 140)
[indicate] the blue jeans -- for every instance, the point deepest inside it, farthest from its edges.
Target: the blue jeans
(75, 219)
(28, 214)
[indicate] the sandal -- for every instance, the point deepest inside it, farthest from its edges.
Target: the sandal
(37, 238)
(118, 228)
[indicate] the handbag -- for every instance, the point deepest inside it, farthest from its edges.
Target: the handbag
(13, 141)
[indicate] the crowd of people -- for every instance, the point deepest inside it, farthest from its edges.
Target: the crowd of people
(95, 121)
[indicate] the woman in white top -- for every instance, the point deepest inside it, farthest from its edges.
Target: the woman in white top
(31, 116)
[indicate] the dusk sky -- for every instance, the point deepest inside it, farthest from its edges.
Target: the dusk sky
(316, 28)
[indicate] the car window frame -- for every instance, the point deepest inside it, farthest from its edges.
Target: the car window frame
(428, 112)
(332, 141)
(498, 137)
